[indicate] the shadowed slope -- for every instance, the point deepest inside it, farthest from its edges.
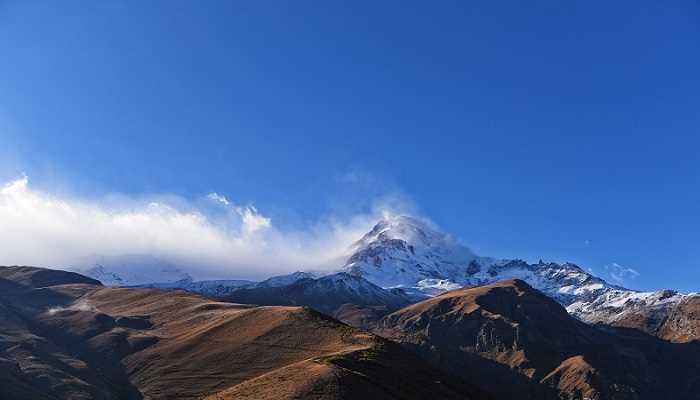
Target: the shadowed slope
(32, 277)
(519, 343)
(383, 371)
(41, 362)
(349, 298)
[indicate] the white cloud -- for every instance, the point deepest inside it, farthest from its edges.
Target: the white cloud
(80, 305)
(43, 229)
(621, 274)
(252, 220)
(218, 198)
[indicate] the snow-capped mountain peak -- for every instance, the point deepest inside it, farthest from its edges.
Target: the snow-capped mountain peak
(404, 228)
(408, 253)
(401, 251)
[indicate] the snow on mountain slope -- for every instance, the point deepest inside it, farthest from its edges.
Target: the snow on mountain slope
(151, 272)
(213, 288)
(401, 251)
(615, 305)
(408, 253)
(325, 294)
(283, 280)
(405, 252)
(359, 287)
(567, 283)
(133, 270)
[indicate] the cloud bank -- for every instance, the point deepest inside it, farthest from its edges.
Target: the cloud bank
(211, 238)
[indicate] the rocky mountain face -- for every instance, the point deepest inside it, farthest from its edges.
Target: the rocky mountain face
(519, 343)
(351, 299)
(402, 251)
(65, 336)
(666, 313)
(410, 254)
(682, 325)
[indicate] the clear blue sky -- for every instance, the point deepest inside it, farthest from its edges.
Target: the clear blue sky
(561, 130)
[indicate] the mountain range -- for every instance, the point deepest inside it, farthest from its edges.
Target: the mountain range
(409, 314)
(66, 336)
(518, 343)
(404, 259)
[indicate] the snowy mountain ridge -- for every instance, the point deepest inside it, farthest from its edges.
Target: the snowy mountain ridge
(402, 251)
(133, 270)
(408, 253)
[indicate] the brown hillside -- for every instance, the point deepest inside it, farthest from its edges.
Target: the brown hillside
(78, 340)
(519, 343)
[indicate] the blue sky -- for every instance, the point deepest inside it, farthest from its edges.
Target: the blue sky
(525, 129)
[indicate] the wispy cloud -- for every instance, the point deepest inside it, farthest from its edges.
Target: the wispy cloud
(213, 196)
(213, 238)
(621, 274)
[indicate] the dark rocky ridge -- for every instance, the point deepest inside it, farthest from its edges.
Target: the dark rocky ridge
(519, 343)
(349, 298)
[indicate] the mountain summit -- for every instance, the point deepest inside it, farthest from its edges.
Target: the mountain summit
(406, 252)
